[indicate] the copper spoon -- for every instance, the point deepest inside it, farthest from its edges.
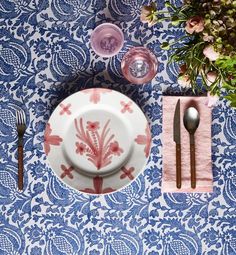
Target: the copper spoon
(191, 123)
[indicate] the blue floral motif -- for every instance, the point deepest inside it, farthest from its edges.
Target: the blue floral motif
(14, 56)
(11, 239)
(10, 9)
(8, 184)
(230, 126)
(211, 236)
(153, 174)
(45, 55)
(68, 10)
(176, 242)
(38, 169)
(151, 238)
(94, 252)
(34, 233)
(229, 242)
(42, 65)
(122, 242)
(93, 236)
(63, 241)
(229, 191)
(58, 193)
(41, 47)
(125, 10)
(69, 59)
(127, 197)
(36, 251)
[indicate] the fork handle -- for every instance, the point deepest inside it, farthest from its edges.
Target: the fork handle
(20, 167)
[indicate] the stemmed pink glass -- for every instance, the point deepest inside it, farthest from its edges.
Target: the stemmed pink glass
(139, 65)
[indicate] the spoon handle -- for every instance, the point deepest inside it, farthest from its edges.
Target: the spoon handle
(192, 160)
(178, 166)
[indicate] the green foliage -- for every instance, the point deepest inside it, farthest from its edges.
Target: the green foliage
(232, 99)
(220, 32)
(210, 50)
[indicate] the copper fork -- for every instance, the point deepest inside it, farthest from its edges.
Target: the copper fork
(21, 127)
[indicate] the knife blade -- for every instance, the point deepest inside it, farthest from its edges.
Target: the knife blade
(177, 140)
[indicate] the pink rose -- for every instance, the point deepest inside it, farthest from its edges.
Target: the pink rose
(148, 14)
(184, 80)
(195, 24)
(211, 77)
(207, 38)
(211, 100)
(210, 53)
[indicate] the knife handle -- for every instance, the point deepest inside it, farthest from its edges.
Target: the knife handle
(178, 166)
(193, 166)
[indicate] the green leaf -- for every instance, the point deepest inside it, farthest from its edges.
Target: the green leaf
(165, 46)
(228, 86)
(175, 21)
(232, 99)
(227, 63)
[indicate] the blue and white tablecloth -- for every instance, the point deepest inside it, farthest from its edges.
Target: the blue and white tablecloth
(45, 56)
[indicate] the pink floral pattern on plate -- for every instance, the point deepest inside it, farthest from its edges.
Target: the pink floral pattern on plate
(145, 140)
(99, 147)
(67, 172)
(50, 139)
(127, 172)
(65, 109)
(126, 107)
(98, 187)
(95, 94)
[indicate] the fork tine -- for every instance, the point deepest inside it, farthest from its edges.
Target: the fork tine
(17, 117)
(23, 117)
(20, 117)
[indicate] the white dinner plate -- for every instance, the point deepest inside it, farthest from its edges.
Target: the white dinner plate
(97, 140)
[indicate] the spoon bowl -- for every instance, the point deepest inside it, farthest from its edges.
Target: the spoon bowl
(191, 119)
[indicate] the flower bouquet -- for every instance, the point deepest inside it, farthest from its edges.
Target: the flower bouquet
(209, 48)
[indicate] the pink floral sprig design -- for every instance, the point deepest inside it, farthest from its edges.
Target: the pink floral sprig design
(98, 187)
(145, 140)
(50, 139)
(98, 147)
(95, 94)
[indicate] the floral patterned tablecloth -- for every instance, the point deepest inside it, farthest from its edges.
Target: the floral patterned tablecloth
(45, 56)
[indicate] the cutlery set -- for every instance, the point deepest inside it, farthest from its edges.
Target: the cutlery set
(191, 121)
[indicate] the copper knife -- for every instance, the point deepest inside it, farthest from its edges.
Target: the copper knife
(177, 140)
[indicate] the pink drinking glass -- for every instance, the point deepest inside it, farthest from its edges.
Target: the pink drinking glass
(107, 40)
(139, 65)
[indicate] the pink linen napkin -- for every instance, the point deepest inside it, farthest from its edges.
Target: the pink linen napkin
(204, 177)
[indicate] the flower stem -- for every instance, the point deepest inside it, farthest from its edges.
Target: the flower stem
(177, 40)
